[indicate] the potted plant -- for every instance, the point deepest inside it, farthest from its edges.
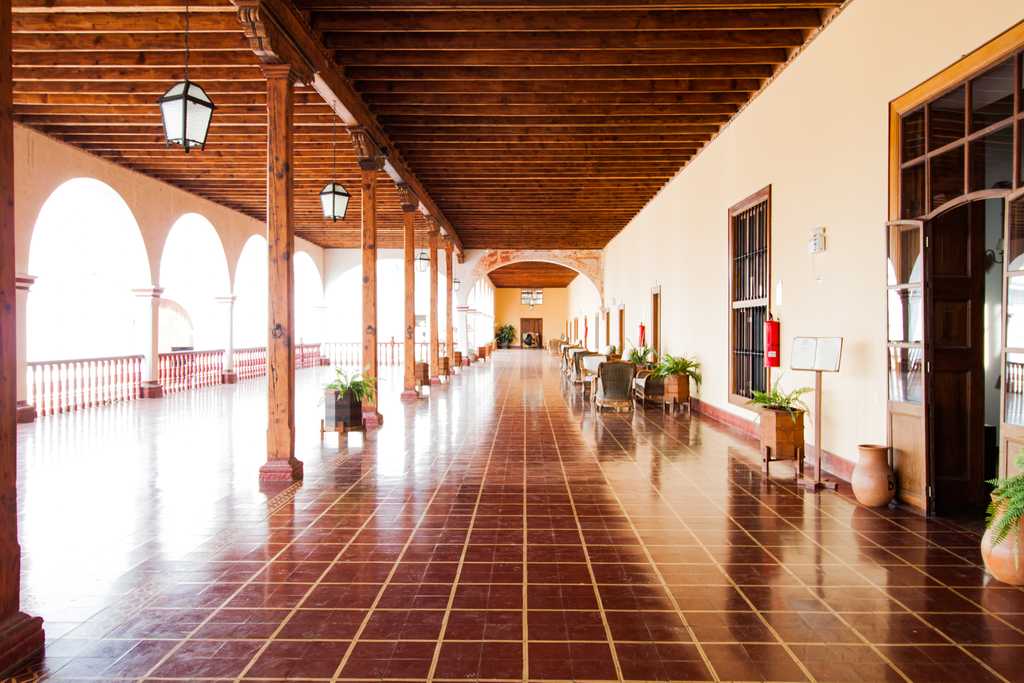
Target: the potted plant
(640, 356)
(781, 416)
(1002, 544)
(676, 373)
(505, 335)
(344, 398)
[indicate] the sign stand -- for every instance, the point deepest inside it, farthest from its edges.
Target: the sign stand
(820, 355)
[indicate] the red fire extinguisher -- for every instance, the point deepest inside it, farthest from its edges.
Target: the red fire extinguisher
(771, 342)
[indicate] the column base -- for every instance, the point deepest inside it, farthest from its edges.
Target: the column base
(325, 362)
(151, 390)
(25, 412)
(21, 641)
(229, 377)
(281, 470)
(435, 380)
(372, 419)
(466, 362)
(410, 395)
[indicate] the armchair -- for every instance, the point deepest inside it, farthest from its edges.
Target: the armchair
(614, 385)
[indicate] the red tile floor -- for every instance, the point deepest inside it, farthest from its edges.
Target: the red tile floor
(500, 531)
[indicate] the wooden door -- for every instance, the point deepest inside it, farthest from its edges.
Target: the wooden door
(1011, 441)
(533, 327)
(955, 376)
(656, 324)
(622, 331)
(905, 409)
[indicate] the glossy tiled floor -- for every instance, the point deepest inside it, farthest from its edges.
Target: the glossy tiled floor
(499, 531)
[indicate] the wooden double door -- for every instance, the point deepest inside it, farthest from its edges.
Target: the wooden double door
(949, 279)
(534, 327)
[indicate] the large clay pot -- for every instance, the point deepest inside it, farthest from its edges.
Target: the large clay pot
(873, 482)
(1005, 561)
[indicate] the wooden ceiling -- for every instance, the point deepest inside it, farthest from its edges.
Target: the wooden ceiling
(89, 72)
(537, 124)
(533, 275)
(543, 124)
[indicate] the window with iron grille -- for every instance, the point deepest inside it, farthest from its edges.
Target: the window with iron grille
(750, 266)
(531, 297)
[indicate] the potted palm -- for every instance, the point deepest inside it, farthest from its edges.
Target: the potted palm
(505, 335)
(781, 416)
(1001, 546)
(343, 399)
(676, 373)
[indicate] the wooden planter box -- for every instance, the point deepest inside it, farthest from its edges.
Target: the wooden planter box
(482, 352)
(677, 392)
(457, 358)
(782, 438)
(422, 374)
(342, 409)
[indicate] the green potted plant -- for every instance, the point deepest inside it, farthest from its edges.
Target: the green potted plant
(781, 416)
(343, 399)
(676, 373)
(1001, 546)
(505, 335)
(640, 356)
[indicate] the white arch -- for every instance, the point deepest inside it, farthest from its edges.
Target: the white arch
(251, 294)
(586, 262)
(193, 272)
(309, 300)
(87, 254)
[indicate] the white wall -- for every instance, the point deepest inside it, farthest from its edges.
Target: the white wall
(585, 303)
(819, 136)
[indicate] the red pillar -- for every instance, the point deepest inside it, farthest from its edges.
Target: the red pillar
(21, 636)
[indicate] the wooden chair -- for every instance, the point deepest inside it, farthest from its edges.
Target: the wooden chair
(590, 363)
(647, 387)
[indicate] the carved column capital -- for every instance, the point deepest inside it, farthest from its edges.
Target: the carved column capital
(433, 226)
(368, 152)
(407, 198)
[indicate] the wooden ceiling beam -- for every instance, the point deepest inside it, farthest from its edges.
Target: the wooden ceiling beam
(457, 6)
(563, 21)
(101, 76)
(125, 22)
(135, 42)
(564, 40)
(365, 74)
(511, 99)
(456, 113)
(743, 85)
(378, 58)
(112, 60)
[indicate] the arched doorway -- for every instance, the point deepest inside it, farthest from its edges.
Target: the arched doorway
(193, 272)
(309, 300)
(87, 254)
(251, 294)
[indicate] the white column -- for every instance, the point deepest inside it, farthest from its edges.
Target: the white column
(228, 374)
(22, 282)
(149, 340)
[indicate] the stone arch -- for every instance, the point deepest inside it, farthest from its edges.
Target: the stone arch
(586, 262)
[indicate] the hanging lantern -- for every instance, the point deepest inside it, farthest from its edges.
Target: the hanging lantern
(456, 284)
(186, 109)
(334, 198)
(422, 262)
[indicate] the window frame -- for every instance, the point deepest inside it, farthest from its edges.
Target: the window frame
(764, 196)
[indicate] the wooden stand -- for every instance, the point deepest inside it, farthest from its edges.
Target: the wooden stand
(817, 483)
(339, 430)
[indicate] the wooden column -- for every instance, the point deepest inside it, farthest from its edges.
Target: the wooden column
(371, 162)
(281, 465)
(435, 362)
(21, 636)
(409, 203)
(449, 267)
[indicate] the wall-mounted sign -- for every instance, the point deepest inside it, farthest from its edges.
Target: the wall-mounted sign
(822, 354)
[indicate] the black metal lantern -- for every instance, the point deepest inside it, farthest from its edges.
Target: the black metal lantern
(334, 198)
(422, 262)
(186, 109)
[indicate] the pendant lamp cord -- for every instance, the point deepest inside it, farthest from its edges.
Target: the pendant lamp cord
(186, 41)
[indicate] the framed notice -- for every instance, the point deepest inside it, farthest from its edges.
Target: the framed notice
(821, 354)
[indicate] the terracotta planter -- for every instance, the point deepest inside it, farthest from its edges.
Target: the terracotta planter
(873, 482)
(1006, 560)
